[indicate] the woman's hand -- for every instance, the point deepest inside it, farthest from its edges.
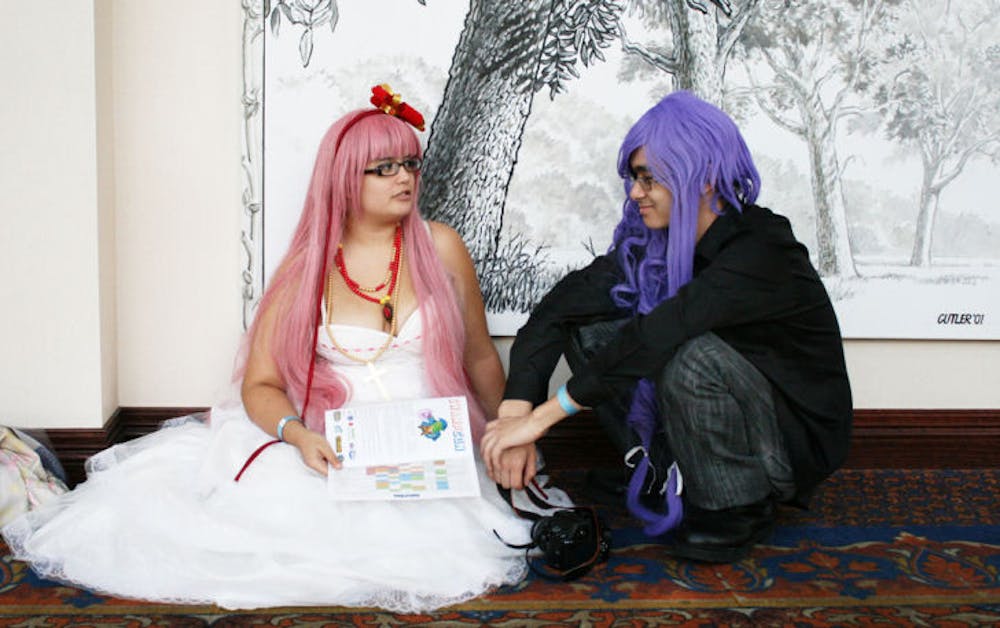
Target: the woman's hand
(315, 449)
(517, 464)
(517, 467)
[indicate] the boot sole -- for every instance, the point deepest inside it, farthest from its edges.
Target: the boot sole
(723, 554)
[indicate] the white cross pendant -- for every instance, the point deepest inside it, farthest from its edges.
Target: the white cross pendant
(376, 378)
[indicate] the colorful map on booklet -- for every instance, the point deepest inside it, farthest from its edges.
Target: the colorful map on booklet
(415, 449)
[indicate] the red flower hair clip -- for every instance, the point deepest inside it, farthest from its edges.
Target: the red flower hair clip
(392, 103)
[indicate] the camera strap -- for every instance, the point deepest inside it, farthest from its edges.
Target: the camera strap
(532, 493)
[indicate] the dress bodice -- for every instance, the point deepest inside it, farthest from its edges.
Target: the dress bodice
(399, 373)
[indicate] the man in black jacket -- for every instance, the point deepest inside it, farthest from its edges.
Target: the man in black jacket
(724, 350)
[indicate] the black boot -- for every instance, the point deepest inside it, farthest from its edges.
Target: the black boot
(609, 487)
(722, 536)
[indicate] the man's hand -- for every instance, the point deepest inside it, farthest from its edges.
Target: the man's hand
(504, 434)
(514, 407)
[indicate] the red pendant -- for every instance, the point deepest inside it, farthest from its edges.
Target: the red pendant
(387, 312)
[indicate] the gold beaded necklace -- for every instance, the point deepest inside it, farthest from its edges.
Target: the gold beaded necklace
(394, 296)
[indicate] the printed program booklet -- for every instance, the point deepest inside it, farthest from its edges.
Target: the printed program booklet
(415, 449)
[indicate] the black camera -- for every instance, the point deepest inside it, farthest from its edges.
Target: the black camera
(571, 541)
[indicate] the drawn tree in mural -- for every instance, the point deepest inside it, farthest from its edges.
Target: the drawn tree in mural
(510, 51)
(818, 54)
(941, 96)
(507, 52)
(703, 35)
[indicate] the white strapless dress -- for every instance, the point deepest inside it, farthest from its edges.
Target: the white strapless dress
(160, 518)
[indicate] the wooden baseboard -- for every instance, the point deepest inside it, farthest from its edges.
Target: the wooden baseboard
(74, 446)
(895, 439)
(925, 439)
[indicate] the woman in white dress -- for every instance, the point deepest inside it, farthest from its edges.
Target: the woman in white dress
(370, 303)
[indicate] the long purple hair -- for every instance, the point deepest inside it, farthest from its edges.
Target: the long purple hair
(690, 146)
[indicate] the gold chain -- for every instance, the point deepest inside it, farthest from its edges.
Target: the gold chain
(392, 323)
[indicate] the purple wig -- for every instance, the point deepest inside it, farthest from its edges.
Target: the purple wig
(690, 144)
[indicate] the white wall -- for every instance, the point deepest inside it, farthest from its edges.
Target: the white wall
(120, 177)
(928, 374)
(177, 86)
(904, 374)
(54, 324)
(120, 204)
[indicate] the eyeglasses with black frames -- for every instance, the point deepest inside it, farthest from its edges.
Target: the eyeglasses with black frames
(390, 168)
(645, 181)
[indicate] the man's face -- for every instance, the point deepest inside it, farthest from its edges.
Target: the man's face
(654, 200)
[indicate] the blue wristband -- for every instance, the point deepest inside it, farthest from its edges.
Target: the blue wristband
(564, 401)
(283, 422)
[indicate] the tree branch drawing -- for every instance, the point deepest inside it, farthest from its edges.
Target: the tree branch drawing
(308, 14)
(818, 55)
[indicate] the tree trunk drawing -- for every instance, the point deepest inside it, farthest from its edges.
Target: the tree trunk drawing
(834, 257)
(930, 196)
(695, 37)
(477, 131)
(702, 41)
(818, 129)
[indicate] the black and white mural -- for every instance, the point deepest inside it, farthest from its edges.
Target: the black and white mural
(875, 124)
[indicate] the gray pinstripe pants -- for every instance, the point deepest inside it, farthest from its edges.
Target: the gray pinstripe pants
(722, 428)
(719, 421)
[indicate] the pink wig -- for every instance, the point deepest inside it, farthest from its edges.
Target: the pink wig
(296, 288)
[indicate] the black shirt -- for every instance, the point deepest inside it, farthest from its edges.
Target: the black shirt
(755, 288)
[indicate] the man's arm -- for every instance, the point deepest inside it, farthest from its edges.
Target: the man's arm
(580, 297)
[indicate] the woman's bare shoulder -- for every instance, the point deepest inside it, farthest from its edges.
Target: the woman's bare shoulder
(441, 230)
(447, 242)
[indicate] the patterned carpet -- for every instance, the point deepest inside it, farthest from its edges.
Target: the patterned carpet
(877, 548)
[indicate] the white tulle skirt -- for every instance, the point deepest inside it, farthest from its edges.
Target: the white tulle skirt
(160, 519)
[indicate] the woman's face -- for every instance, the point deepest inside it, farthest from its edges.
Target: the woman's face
(654, 200)
(388, 186)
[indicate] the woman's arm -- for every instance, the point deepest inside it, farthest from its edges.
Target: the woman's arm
(266, 401)
(481, 359)
(516, 466)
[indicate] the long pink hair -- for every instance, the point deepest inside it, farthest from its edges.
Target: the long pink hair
(296, 288)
